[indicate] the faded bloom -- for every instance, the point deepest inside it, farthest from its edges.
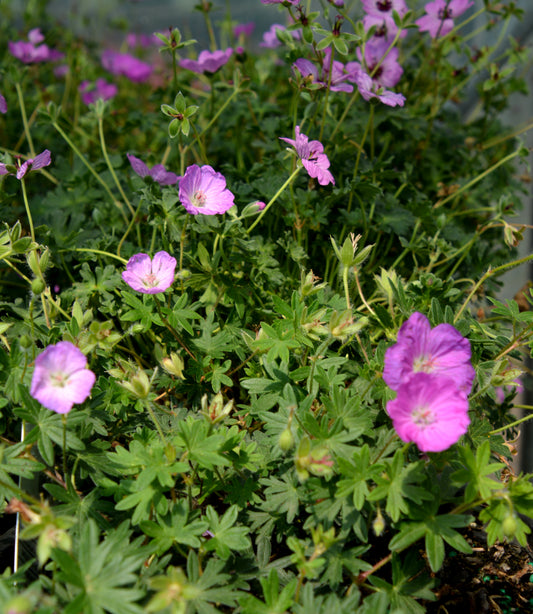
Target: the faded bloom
(440, 351)
(60, 378)
(32, 164)
(32, 51)
(438, 20)
(430, 411)
(203, 190)
(158, 172)
(91, 92)
(245, 29)
(3, 104)
(141, 40)
(127, 65)
(270, 38)
(150, 276)
(286, 2)
(207, 61)
(312, 155)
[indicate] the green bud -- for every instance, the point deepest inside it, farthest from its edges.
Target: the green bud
(509, 525)
(139, 385)
(18, 605)
(25, 342)
(37, 286)
(286, 440)
(378, 525)
(173, 365)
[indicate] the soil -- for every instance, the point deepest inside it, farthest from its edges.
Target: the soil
(498, 579)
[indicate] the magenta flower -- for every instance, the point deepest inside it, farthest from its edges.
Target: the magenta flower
(340, 73)
(430, 411)
(207, 61)
(32, 164)
(440, 351)
(438, 20)
(245, 29)
(32, 51)
(91, 92)
(60, 378)
(158, 172)
(127, 65)
(371, 89)
(3, 104)
(389, 71)
(379, 14)
(270, 38)
(203, 190)
(140, 40)
(150, 276)
(312, 155)
(286, 2)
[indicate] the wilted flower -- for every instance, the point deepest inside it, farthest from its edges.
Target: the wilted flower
(91, 92)
(31, 51)
(32, 164)
(127, 65)
(312, 155)
(440, 351)
(3, 104)
(203, 190)
(150, 276)
(340, 73)
(60, 378)
(430, 411)
(438, 20)
(207, 61)
(287, 2)
(158, 172)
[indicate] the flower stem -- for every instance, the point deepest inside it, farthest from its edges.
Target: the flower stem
(274, 198)
(513, 424)
(171, 330)
(91, 169)
(64, 420)
(148, 406)
(25, 119)
(27, 206)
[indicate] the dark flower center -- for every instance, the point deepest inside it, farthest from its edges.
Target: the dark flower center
(384, 5)
(446, 13)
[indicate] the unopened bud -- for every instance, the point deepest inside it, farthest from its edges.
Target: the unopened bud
(509, 525)
(286, 440)
(378, 525)
(173, 365)
(37, 286)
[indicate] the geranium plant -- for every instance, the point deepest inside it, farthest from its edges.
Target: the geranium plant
(253, 356)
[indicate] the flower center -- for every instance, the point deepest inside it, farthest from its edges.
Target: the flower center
(58, 379)
(446, 13)
(199, 198)
(423, 416)
(384, 5)
(424, 364)
(150, 281)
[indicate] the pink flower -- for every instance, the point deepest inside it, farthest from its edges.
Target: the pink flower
(31, 51)
(127, 65)
(140, 40)
(438, 20)
(91, 92)
(245, 29)
(379, 14)
(340, 73)
(158, 172)
(60, 378)
(430, 411)
(389, 72)
(370, 89)
(203, 190)
(150, 276)
(3, 104)
(32, 164)
(286, 2)
(207, 61)
(441, 351)
(312, 155)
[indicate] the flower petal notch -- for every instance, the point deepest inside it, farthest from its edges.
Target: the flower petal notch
(149, 276)
(61, 378)
(203, 190)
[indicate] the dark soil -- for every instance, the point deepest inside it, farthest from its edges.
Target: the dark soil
(489, 580)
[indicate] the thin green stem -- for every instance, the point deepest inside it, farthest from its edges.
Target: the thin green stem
(515, 423)
(170, 329)
(25, 119)
(110, 166)
(275, 197)
(98, 251)
(64, 420)
(148, 406)
(91, 170)
(27, 206)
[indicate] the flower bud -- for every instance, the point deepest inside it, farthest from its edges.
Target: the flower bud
(509, 525)
(173, 365)
(378, 526)
(37, 286)
(286, 440)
